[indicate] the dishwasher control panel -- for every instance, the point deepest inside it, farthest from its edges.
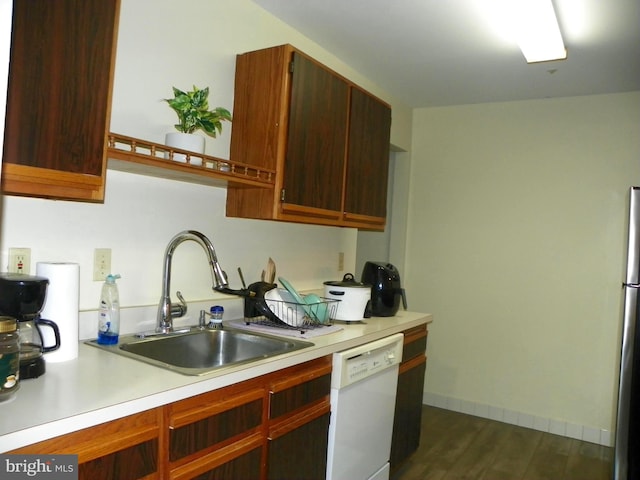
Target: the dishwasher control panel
(360, 362)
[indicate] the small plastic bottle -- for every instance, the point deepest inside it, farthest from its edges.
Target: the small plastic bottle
(109, 312)
(217, 311)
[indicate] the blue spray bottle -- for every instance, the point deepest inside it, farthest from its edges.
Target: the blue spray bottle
(109, 312)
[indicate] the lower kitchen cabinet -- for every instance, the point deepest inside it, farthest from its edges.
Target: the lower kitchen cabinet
(299, 414)
(408, 412)
(274, 426)
(216, 433)
(246, 465)
(126, 449)
(300, 453)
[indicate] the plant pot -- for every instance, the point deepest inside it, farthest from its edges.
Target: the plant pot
(185, 141)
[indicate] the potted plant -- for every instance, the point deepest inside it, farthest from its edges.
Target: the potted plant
(193, 113)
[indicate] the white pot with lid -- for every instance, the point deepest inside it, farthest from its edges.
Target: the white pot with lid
(354, 298)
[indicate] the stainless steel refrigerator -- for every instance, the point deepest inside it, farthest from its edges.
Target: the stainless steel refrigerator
(627, 446)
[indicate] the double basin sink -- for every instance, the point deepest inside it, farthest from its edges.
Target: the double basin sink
(201, 351)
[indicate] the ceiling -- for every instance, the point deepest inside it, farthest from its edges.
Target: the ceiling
(450, 52)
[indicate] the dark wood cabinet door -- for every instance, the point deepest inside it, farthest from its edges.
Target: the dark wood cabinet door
(299, 413)
(246, 466)
(408, 414)
(318, 117)
(300, 454)
(368, 156)
(59, 98)
(136, 462)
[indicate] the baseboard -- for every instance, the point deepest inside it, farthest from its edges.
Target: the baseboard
(557, 427)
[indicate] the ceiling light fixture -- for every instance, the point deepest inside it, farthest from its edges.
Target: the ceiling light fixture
(537, 31)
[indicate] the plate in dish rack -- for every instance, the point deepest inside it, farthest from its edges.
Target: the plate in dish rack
(294, 293)
(285, 307)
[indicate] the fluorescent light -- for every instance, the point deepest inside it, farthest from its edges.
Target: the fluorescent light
(537, 31)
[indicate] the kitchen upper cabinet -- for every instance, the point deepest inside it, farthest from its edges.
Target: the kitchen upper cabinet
(315, 151)
(326, 138)
(59, 98)
(368, 165)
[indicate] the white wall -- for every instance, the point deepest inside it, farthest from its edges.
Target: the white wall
(518, 214)
(159, 46)
(158, 49)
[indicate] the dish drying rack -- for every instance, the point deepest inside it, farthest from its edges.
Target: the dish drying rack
(290, 315)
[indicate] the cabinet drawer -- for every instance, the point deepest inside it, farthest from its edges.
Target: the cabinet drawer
(214, 419)
(303, 387)
(415, 342)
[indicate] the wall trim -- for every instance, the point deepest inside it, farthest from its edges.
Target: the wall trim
(534, 422)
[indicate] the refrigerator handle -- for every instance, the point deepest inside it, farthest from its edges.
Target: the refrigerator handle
(631, 285)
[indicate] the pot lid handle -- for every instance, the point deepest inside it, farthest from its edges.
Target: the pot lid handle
(348, 277)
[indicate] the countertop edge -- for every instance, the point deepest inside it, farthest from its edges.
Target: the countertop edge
(180, 387)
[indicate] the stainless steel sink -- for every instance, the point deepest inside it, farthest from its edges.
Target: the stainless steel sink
(199, 352)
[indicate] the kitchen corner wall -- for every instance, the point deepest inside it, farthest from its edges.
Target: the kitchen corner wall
(518, 214)
(164, 43)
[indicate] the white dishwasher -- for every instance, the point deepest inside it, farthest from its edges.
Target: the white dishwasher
(363, 397)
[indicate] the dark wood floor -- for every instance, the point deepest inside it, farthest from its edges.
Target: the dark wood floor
(458, 446)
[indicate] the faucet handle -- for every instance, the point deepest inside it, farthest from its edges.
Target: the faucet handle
(179, 309)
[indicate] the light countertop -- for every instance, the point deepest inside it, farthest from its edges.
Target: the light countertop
(99, 386)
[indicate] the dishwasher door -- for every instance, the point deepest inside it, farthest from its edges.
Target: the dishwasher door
(363, 398)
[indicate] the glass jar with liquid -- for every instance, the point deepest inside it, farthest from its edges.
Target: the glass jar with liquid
(9, 357)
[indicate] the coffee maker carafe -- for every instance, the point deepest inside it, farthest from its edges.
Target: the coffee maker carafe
(22, 297)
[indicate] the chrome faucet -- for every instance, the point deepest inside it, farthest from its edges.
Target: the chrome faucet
(167, 310)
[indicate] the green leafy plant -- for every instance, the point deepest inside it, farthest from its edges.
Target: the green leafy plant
(193, 112)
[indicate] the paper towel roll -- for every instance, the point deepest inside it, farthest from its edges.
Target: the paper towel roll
(61, 306)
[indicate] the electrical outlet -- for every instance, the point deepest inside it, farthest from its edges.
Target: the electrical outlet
(101, 264)
(19, 260)
(340, 261)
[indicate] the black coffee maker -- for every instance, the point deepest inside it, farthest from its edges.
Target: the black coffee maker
(386, 289)
(22, 297)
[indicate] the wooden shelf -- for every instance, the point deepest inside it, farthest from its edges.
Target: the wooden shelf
(127, 154)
